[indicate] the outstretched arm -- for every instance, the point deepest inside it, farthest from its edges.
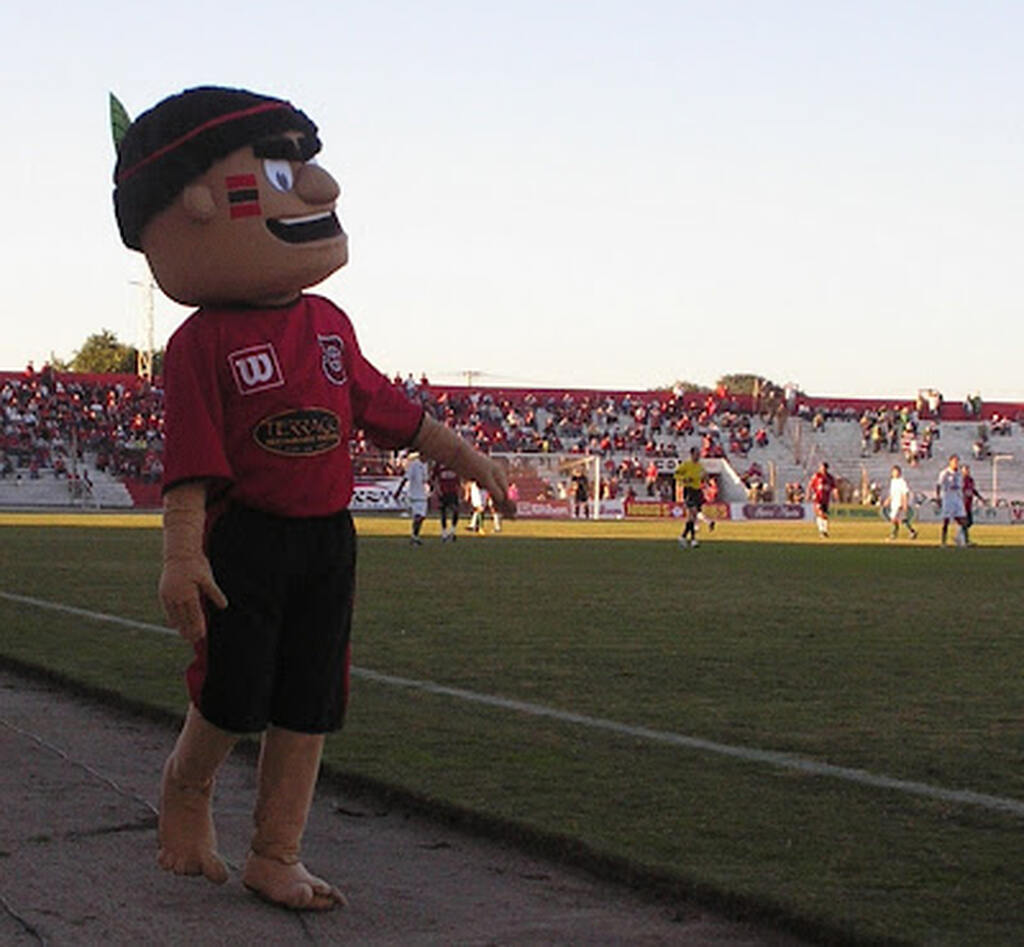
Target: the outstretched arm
(187, 577)
(443, 445)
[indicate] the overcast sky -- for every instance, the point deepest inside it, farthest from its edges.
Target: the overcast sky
(575, 193)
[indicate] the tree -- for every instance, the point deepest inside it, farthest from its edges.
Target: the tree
(740, 384)
(102, 353)
(689, 387)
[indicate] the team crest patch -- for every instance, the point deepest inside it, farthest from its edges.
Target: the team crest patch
(332, 350)
(303, 431)
(256, 368)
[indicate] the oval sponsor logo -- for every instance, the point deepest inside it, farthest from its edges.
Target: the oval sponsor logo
(303, 431)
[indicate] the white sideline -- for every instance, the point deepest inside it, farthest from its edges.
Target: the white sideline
(747, 754)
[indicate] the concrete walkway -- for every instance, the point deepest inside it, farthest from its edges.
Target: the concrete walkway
(78, 785)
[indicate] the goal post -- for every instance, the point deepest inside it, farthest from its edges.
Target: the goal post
(553, 478)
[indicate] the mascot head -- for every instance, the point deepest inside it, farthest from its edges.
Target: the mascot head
(217, 188)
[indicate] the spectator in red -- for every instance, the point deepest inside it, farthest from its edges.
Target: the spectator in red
(651, 478)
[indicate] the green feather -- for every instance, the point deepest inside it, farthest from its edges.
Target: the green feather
(119, 120)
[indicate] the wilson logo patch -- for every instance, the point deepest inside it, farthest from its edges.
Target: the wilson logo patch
(304, 431)
(256, 369)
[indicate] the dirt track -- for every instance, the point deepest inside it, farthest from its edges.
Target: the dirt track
(77, 844)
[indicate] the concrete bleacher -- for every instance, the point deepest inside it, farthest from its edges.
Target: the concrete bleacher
(840, 444)
(49, 491)
(498, 420)
(793, 455)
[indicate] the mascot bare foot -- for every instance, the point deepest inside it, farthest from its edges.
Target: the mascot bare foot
(188, 842)
(289, 763)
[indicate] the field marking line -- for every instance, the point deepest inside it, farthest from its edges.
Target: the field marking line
(747, 754)
(85, 613)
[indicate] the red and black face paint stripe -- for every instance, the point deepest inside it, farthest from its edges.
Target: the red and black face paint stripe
(243, 195)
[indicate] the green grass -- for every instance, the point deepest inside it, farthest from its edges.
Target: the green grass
(902, 659)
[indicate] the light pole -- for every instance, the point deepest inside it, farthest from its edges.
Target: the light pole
(144, 356)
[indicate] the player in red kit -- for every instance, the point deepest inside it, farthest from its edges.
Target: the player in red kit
(970, 494)
(264, 385)
(821, 489)
(449, 490)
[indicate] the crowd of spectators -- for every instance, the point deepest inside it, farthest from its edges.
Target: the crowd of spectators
(580, 423)
(996, 427)
(48, 425)
(898, 430)
(630, 432)
(910, 429)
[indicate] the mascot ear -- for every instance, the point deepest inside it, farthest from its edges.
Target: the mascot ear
(198, 203)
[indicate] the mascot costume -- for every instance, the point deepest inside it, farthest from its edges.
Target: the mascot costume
(264, 385)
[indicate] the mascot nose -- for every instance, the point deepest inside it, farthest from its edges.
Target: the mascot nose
(315, 186)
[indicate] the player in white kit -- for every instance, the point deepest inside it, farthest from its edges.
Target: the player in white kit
(416, 477)
(898, 503)
(949, 490)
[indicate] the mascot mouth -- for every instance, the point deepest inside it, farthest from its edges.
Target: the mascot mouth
(322, 226)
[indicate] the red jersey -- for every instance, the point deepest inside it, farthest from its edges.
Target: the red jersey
(821, 487)
(969, 492)
(447, 481)
(265, 401)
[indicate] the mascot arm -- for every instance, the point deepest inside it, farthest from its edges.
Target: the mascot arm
(443, 445)
(187, 577)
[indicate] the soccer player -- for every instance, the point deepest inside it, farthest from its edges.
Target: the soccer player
(495, 509)
(448, 489)
(581, 495)
(821, 489)
(477, 500)
(970, 495)
(689, 477)
(416, 477)
(898, 502)
(949, 491)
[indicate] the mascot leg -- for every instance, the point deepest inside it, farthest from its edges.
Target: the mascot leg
(289, 763)
(188, 843)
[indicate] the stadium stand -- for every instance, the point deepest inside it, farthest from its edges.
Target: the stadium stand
(96, 440)
(92, 490)
(77, 440)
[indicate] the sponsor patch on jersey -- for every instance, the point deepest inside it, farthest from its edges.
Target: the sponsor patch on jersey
(303, 431)
(256, 368)
(332, 351)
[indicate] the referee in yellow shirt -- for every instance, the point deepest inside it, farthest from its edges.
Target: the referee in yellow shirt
(689, 476)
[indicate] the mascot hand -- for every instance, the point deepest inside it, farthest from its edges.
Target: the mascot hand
(492, 477)
(183, 585)
(187, 577)
(443, 445)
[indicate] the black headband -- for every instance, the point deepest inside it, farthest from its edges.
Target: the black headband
(178, 139)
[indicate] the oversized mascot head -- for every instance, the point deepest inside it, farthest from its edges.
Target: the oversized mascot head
(217, 188)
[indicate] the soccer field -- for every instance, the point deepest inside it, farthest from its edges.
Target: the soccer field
(827, 731)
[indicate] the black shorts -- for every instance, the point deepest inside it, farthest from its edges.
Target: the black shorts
(449, 501)
(693, 497)
(279, 653)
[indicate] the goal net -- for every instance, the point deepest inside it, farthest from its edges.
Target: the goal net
(556, 485)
